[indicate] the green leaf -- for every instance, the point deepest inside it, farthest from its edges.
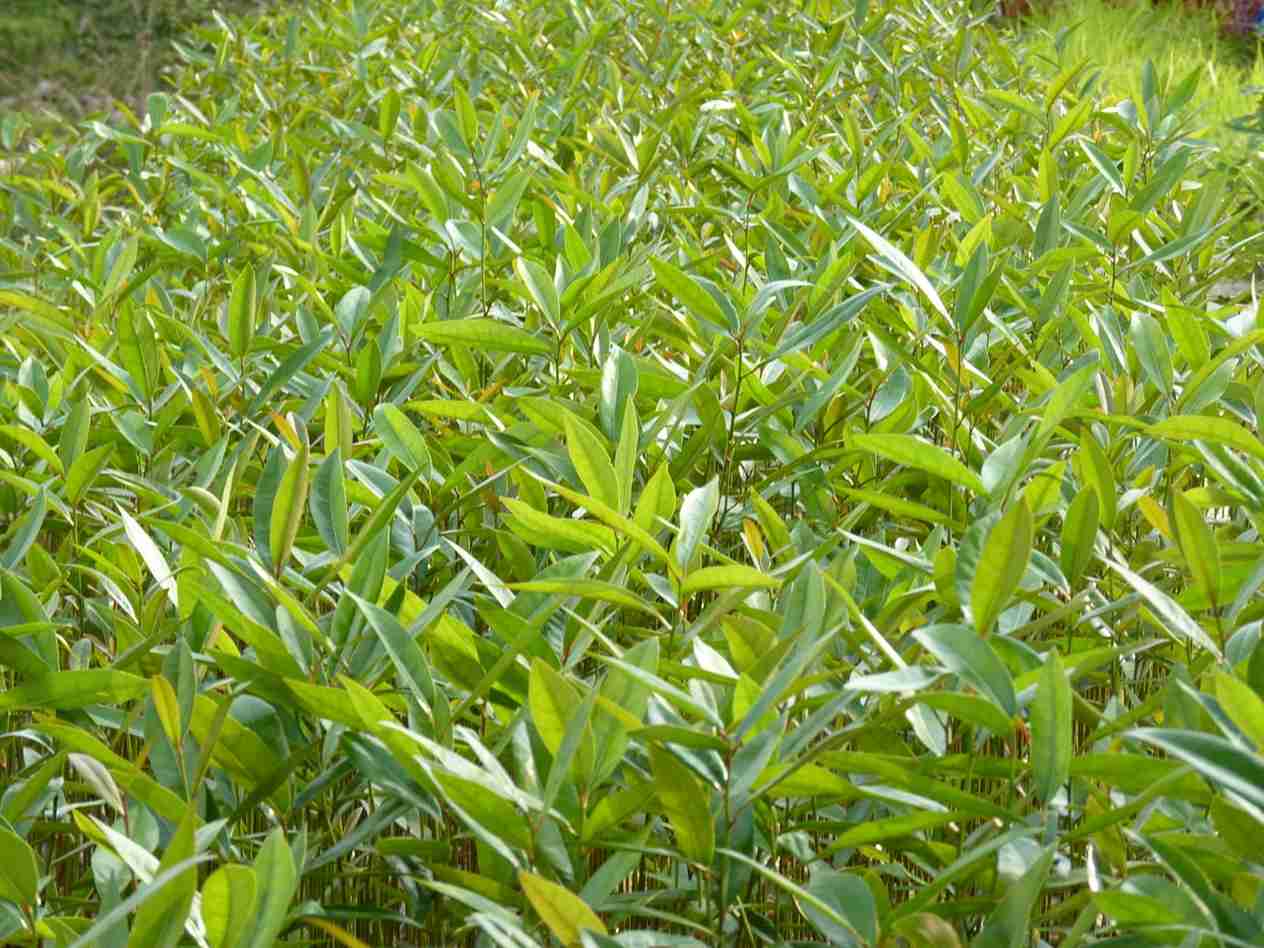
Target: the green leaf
(83, 472)
(1001, 565)
(19, 869)
(587, 589)
(401, 437)
(152, 557)
(727, 577)
(287, 508)
(902, 265)
(917, 453)
(241, 313)
(1153, 351)
(388, 113)
(1218, 759)
(681, 285)
(1051, 728)
(565, 913)
(34, 443)
(592, 463)
(277, 880)
(1243, 706)
(1174, 618)
(329, 503)
(70, 689)
(1010, 924)
(620, 524)
(686, 802)
(556, 533)
(24, 537)
(1198, 545)
(163, 914)
(483, 334)
(1095, 470)
(961, 650)
(630, 697)
(228, 897)
(657, 500)
(1079, 535)
(74, 433)
(1105, 167)
(1208, 428)
(410, 663)
(552, 700)
(377, 522)
(541, 289)
(167, 707)
(697, 511)
(895, 504)
(850, 897)
(924, 930)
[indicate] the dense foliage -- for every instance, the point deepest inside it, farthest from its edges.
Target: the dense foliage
(629, 473)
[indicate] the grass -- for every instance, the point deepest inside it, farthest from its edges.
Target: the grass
(75, 57)
(1118, 39)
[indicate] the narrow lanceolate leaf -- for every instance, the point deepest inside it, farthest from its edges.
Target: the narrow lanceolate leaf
(228, 900)
(152, 557)
(1217, 430)
(1243, 706)
(588, 589)
(911, 451)
(696, 513)
(487, 335)
(1167, 610)
(24, 537)
(83, 472)
(685, 801)
(1198, 545)
(727, 577)
(287, 509)
(552, 699)
(1001, 566)
(163, 914)
(1010, 924)
(329, 503)
(401, 436)
(902, 265)
(70, 689)
(1062, 401)
(1219, 760)
(621, 524)
(592, 463)
(541, 289)
(698, 301)
(277, 878)
(1079, 536)
(565, 913)
(1051, 728)
(167, 706)
(241, 313)
(1105, 167)
(19, 869)
(963, 652)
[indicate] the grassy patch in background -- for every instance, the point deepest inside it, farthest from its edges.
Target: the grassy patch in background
(78, 56)
(1118, 39)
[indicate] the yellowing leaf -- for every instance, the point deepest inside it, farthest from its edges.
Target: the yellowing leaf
(564, 912)
(727, 577)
